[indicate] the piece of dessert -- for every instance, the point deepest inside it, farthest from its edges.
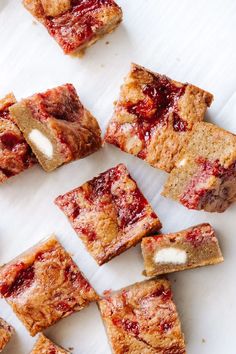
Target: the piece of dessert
(109, 213)
(143, 319)
(15, 154)
(195, 247)
(46, 346)
(154, 115)
(6, 332)
(57, 126)
(44, 285)
(76, 24)
(205, 175)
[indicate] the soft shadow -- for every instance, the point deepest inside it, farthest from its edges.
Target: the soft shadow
(3, 4)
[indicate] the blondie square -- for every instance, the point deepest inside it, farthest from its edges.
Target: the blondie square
(15, 154)
(205, 175)
(46, 346)
(44, 285)
(195, 247)
(154, 115)
(143, 319)
(57, 126)
(6, 332)
(109, 213)
(76, 24)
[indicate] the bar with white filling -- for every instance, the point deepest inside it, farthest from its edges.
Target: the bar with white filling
(57, 126)
(195, 247)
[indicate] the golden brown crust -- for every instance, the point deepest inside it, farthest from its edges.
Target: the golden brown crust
(76, 25)
(59, 115)
(15, 154)
(109, 213)
(6, 332)
(199, 244)
(55, 7)
(143, 319)
(46, 346)
(205, 175)
(44, 285)
(154, 116)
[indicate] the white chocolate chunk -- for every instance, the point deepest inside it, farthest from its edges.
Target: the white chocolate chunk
(41, 142)
(170, 255)
(182, 162)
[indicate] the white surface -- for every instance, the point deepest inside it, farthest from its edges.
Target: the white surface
(170, 255)
(188, 40)
(41, 142)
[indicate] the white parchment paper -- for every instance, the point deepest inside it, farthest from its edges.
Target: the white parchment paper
(188, 40)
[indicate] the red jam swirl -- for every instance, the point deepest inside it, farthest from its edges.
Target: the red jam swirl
(23, 280)
(161, 97)
(193, 195)
(77, 25)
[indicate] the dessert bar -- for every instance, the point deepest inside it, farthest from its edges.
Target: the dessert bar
(44, 285)
(15, 154)
(154, 115)
(195, 247)
(143, 319)
(76, 24)
(205, 175)
(57, 126)
(6, 332)
(44, 345)
(109, 213)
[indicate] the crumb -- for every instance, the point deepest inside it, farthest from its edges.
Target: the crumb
(203, 340)
(107, 292)
(102, 65)
(107, 42)
(34, 23)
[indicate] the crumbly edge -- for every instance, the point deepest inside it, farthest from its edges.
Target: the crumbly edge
(26, 122)
(43, 341)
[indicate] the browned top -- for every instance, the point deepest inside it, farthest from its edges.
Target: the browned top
(6, 332)
(204, 176)
(15, 153)
(56, 7)
(109, 213)
(154, 115)
(74, 130)
(45, 346)
(193, 237)
(43, 285)
(143, 319)
(76, 23)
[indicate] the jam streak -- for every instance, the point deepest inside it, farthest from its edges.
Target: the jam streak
(23, 280)
(161, 97)
(78, 25)
(193, 195)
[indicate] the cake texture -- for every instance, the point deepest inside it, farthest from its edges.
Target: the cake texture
(57, 126)
(15, 154)
(109, 213)
(44, 285)
(46, 346)
(154, 116)
(194, 247)
(143, 319)
(76, 24)
(6, 332)
(205, 175)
